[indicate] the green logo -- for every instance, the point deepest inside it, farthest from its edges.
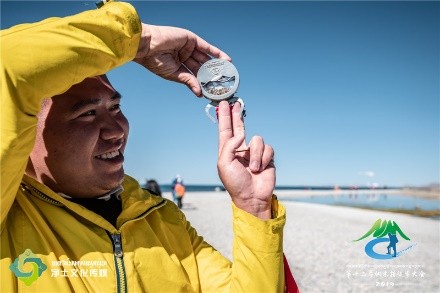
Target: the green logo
(37, 267)
(383, 232)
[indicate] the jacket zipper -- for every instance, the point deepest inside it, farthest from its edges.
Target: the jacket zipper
(121, 278)
(118, 253)
(35, 192)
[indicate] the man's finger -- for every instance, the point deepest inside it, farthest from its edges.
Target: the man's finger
(182, 75)
(256, 147)
(267, 159)
(192, 65)
(200, 57)
(238, 123)
(225, 131)
(204, 47)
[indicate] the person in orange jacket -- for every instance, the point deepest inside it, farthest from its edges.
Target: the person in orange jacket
(178, 190)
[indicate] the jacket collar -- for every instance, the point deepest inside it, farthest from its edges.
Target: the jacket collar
(136, 202)
(114, 192)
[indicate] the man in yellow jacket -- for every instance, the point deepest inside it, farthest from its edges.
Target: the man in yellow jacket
(71, 220)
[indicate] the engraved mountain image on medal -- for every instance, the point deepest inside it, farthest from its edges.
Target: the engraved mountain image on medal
(219, 85)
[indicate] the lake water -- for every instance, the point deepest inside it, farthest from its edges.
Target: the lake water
(375, 201)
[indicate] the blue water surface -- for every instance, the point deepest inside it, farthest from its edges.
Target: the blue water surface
(374, 201)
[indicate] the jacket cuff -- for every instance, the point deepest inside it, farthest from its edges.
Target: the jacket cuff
(257, 234)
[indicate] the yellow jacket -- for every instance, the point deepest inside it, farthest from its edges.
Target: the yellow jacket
(50, 244)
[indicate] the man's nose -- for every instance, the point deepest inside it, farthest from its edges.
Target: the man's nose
(112, 128)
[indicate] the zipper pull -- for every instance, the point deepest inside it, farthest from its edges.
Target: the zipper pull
(117, 243)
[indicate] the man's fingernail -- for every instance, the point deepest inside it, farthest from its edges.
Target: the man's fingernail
(255, 166)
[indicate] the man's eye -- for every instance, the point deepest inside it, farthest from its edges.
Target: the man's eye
(116, 107)
(88, 113)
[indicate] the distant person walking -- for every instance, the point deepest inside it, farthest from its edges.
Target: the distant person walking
(178, 190)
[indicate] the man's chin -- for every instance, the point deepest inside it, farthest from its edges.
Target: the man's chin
(115, 179)
(111, 181)
(93, 186)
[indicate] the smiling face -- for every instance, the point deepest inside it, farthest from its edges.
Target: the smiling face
(81, 137)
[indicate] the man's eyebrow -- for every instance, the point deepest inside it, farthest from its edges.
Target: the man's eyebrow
(86, 102)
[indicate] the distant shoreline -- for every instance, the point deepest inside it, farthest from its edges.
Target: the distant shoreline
(285, 195)
(423, 193)
(295, 191)
(427, 194)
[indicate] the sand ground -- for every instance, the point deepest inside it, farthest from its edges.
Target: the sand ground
(318, 243)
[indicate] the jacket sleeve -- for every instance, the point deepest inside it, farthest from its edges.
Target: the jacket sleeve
(44, 59)
(257, 257)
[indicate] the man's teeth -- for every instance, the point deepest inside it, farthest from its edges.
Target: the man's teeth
(108, 155)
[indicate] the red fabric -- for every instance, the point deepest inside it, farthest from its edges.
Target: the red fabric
(291, 286)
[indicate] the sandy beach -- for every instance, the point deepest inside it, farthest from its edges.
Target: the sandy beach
(318, 243)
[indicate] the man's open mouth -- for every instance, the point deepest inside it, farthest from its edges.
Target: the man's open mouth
(109, 155)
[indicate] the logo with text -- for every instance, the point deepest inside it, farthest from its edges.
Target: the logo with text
(27, 267)
(385, 232)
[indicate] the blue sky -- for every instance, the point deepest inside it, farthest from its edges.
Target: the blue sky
(337, 88)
